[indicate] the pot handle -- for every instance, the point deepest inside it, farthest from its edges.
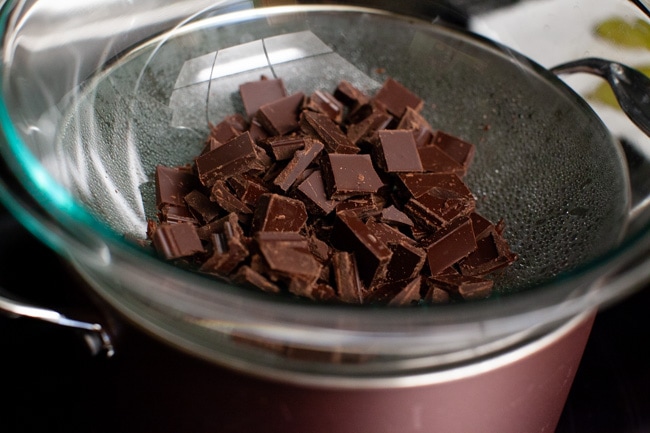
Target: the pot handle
(95, 336)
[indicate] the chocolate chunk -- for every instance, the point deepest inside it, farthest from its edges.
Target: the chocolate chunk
(362, 206)
(280, 117)
(352, 235)
(229, 249)
(366, 127)
(254, 94)
(349, 95)
(417, 124)
(435, 160)
(459, 150)
(349, 175)
(248, 276)
(325, 103)
(449, 245)
(228, 128)
(233, 157)
(394, 216)
(346, 276)
(397, 293)
(283, 147)
(173, 184)
(277, 213)
(200, 205)
(177, 240)
(398, 151)
(492, 253)
(177, 214)
(312, 192)
(464, 287)
(300, 161)
(223, 196)
(324, 128)
(396, 98)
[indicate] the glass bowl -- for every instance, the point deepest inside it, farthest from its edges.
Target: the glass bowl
(93, 100)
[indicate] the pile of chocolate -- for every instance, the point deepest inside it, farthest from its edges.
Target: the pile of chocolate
(334, 196)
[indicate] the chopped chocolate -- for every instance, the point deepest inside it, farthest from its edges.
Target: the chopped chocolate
(325, 103)
(172, 184)
(280, 117)
(233, 157)
(396, 98)
(336, 197)
(372, 256)
(398, 151)
(277, 213)
(174, 241)
(349, 175)
(283, 147)
(449, 245)
(459, 150)
(200, 205)
(312, 191)
(300, 161)
(254, 94)
(324, 128)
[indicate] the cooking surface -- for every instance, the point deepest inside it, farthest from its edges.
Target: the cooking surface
(52, 383)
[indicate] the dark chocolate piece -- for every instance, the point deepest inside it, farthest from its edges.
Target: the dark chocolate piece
(172, 184)
(349, 175)
(394, 216)
(174, 241)
(417, 124)
(277, 213)
(228, 128)
(459, 150)
(346, 276)
(233, 157)
(327, 131)
(398, 151)
(222, 196)
(312, 191)
(449, 245)
(283, 147)
(254, 94)
(300, 161)
(396, 98)
(325, 103)
(435, 160)
(177, 214)
(372, 256)
(492, 253)
(248, 276)
(204, 209)
(464, 287)
(363, 206)
(397, 293)
(364, 128)
(349, 95)
(229, 249)
(280, 117)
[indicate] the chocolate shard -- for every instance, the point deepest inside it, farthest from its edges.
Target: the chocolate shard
(298, 164)
(363, 206)
(372, 256)
(229, 249)
(228, 128)
(392, 215)
(232, 158)
(349, 175)
(418, 125)
(177, 214)
(324, 128)
(459, 150)
(277, 213)
(398, 151)
(346, 277)
(365, 127)
(312, 192)
(247, 276)
(280, 117)
(200, 205)
(397, 293)
(407, 258)
(396, 98)
(173, 184)
(254, 94)
(224, 198)
(325, 103)
(350, 95)
(449, 245)
(435, 160)
(174, 241)
(287, 254)
(464, 287)
(283, 147)
(492, 253)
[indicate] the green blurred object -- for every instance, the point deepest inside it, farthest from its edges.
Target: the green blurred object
(626, 34)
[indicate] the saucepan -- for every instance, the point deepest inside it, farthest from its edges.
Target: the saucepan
(95, 97)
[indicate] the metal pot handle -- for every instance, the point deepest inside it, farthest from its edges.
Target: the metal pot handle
(97, 339)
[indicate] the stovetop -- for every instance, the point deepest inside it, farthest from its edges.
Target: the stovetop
(52, 383)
